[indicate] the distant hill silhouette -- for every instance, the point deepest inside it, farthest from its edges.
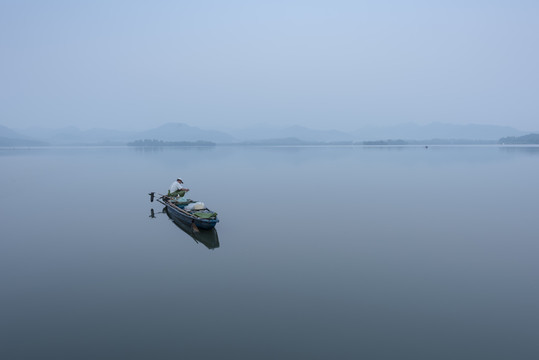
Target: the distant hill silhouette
(265, 132)
(21, 142)
(6, 132)
(9, 137)
(530, 139)
(407, 132)
(166, 132)
(436, 131)
(74, 136)
(153, 142)
(183, 132)
(268, 134)
(282, 141)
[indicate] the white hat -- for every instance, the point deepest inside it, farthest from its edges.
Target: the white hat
(179, 179)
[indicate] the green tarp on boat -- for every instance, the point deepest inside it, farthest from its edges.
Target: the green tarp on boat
(205, 214)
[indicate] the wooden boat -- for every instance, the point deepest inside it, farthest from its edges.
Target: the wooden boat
(198, 219)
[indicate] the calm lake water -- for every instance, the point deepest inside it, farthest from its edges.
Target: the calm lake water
(325, 253)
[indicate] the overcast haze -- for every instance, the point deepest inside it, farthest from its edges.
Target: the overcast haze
(218, 64)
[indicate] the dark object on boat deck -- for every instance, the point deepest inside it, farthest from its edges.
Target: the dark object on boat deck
(152, 195)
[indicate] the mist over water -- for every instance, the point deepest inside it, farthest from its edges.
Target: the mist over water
(325, 252)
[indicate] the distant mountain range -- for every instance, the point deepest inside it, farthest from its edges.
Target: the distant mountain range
(178, 132)
(183, 132)
(9, 137)
(75, 136)
(519, 140)
(265, 132)
(430, 131)
(410, 131)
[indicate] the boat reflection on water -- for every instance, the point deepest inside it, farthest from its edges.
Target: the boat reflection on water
(209, 237)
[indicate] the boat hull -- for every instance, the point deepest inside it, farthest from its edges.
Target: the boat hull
(186, 218)
(207, 237)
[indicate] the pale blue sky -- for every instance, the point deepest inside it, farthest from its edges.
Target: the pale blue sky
(214, 64)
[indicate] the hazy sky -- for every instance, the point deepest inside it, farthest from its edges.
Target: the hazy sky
(324, 64)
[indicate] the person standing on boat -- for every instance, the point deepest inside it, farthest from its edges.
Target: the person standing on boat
(177, 188)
